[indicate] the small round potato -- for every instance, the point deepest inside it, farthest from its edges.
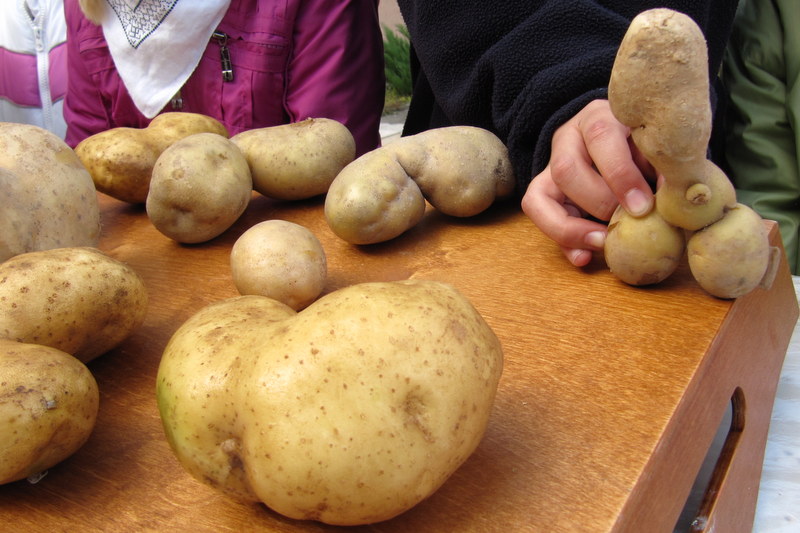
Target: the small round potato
(78, 300)
(200, 186)
(642, 250)
(732, 256)
(280, 260)
(48, 408)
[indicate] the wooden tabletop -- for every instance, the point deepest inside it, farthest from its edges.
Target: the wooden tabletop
(600, 415)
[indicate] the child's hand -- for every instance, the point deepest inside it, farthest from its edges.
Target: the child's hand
(593, 167)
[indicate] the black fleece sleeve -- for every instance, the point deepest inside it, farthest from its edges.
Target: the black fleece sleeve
(523, 68)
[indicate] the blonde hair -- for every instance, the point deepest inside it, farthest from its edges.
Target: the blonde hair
(93, 9)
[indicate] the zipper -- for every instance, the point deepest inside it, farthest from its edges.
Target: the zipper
(224, 53)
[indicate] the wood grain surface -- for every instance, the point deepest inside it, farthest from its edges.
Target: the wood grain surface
(609, 399)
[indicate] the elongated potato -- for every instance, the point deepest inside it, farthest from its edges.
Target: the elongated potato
(121, 160)
(78, 300)
(48, 198)
(659, 87)
(460, 170)
(298, 160)
(48, 408)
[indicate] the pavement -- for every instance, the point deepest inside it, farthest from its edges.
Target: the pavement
(392, 125)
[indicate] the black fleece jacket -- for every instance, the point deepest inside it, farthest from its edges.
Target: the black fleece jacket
(521, 68)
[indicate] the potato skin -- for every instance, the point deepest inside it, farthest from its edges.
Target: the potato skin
(48, 198)
(120, 160)
(77, 300)
(280, 260)
(373, 200)
(200, 186)
(730, 257)
(349, 412)
(48, 408)
(643, 250)
(460, 170)
(299, 160)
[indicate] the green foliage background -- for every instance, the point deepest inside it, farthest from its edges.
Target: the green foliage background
(396, 50)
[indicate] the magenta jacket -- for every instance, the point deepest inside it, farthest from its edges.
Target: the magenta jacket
(291, 60)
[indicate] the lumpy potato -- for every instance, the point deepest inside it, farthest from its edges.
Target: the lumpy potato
(349, 412)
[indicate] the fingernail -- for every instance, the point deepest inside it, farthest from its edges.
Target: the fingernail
(579, 258)
(595, 238)
(637, 203)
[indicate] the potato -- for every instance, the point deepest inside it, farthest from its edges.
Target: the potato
(121, 160)
(659, 87)
(732, 256)
(460, 170)
(48, 408)
(373, 200)
(48, 197)
(644, 250)
(78, 300)
(280, 260)
(299, 160)
(200, 186)
(349, 412)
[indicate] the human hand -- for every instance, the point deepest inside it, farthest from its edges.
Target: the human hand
(594, 166)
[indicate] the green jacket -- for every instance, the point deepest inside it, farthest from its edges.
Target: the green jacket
(761, 71)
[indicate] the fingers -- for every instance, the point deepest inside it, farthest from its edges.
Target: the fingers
(546, 205)
(594, 167)
(597, 166)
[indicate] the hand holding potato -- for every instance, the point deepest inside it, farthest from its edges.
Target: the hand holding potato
(659, 88)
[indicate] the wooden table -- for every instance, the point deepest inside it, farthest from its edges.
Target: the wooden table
(609, 399)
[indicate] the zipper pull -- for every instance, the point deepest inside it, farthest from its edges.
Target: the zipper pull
(177, 100)
(224, 54)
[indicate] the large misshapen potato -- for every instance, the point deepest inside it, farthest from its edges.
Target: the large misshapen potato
(349, 412)
(460, 170)
(48, 408)
(120, 160)
(200, 186)
(78, 300)
(299, 160)
(48, 198)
